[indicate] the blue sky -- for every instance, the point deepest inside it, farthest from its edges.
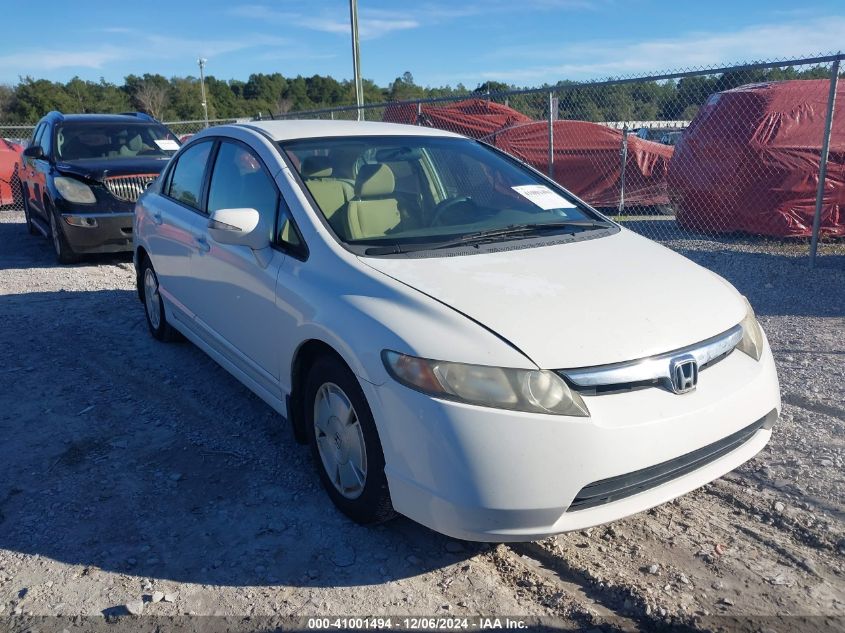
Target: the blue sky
(526, 42)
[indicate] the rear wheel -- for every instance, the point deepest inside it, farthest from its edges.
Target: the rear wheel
(344, 442)
(64, 253)
(154, 306)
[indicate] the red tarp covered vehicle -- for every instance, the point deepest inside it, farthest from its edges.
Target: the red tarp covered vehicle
(10, 155)
(588, 161)
(587, 156)
(475, 118)
(750, 162)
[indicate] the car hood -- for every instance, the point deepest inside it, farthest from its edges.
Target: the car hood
(579, 304)
(98, 169)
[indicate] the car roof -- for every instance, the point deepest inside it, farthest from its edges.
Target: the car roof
(105, 118)
(309, 128)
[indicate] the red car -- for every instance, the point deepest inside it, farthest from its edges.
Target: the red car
(10, 155)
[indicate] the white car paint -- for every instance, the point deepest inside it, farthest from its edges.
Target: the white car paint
(468, 471)
(544, 300)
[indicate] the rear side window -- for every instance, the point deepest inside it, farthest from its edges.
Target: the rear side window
(186, 180)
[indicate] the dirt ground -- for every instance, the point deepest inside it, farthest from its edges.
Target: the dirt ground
(137, 476)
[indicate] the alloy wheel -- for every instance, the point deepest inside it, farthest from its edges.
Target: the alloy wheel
(54, 232)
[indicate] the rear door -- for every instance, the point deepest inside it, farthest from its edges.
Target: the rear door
(181, 229)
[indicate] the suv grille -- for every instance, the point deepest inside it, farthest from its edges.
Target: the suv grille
(129, 188)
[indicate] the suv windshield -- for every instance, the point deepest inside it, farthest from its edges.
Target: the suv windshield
(398, 194)
(113, 140)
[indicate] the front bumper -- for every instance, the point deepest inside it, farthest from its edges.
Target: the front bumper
(491, 475)
(98, 232)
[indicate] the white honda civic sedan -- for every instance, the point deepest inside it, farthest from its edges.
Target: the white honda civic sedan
(459, 339)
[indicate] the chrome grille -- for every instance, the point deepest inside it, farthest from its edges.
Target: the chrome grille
(129, 188)
(654, 370)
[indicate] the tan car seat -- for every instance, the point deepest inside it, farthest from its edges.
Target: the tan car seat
(331, 195)
(375, 209)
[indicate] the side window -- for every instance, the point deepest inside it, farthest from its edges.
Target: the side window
(286, 231)
(239, 182)
(36, 135)
(46, 140)
(186, 178)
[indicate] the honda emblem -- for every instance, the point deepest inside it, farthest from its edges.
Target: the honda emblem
(683, 373)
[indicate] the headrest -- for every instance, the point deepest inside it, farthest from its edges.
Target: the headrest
(136, 143)
(374, 180)
(316, 167)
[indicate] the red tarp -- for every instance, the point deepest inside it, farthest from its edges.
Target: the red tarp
(750, 162)
(588, 161)
(475, 118)
(10, 154)
(586, 155)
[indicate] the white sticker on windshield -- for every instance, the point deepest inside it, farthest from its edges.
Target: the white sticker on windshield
(543, 197)
(167, 144)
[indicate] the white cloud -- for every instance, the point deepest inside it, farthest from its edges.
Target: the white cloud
(134, 46)
(696, 49)
(372, 23)
(377, 22)
(52, 59)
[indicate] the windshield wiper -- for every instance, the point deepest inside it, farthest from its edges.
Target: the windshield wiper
(489, 235)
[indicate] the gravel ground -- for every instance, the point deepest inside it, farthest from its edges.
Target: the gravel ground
(137, 476)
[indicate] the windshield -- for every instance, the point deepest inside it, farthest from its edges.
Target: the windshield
(114, 140)
(425, 191)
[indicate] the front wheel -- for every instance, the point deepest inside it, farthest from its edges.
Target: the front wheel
(30, 227)
(154, 305)
(345, 443)
(64, 253)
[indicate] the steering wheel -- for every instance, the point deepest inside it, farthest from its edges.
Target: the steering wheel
(443, 208)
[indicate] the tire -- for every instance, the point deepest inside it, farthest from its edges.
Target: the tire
(30, 228)
(332, 392)
(154, 306)
(64, 253)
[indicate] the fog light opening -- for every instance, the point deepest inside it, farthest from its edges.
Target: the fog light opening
(81, 220)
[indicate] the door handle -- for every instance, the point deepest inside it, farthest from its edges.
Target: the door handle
(157, 218)
(202, 244)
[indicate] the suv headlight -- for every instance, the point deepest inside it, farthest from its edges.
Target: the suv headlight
(752, 334)
(535, 391)
(74, 191)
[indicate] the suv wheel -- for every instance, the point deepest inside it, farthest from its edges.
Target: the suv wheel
(154, 305)
(344, 442)
(64, 253)
(30, 227)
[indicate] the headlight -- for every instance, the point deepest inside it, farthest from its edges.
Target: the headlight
(752, 335)
(535, 391)
(74, 191)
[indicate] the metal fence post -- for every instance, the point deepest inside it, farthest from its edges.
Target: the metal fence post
(419, 112)
(552, 117)
(623, 152)
(828, 123)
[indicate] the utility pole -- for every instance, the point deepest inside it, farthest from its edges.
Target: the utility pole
(356, 57)
(201, 61)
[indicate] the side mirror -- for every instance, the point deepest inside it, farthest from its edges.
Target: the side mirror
(34, 151)
(241, 227)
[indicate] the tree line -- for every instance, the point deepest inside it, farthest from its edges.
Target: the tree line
(178, 98)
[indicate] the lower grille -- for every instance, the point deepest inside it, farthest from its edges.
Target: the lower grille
(129, 188)
(616, 488)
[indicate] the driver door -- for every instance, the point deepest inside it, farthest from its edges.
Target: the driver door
(235, 289)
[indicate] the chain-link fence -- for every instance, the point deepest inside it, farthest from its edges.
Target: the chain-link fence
(750, 155)
(730, 155)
